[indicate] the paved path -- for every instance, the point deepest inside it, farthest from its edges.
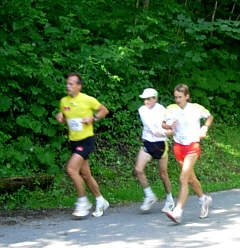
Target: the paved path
(125, 227)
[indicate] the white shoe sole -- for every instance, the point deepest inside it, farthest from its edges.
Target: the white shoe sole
(202, 216)
(83, 213)
(99, 214)
(143, 209)
(174, 218)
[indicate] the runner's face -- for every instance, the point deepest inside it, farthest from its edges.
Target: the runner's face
(180, 98)
(149, 102)
(73, 88)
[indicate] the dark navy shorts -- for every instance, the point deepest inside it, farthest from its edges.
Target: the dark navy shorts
(83, 147)
(157, 149)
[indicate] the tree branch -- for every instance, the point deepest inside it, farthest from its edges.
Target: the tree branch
(233, 8)
(213, 15)
(214, 11)
(146, 3)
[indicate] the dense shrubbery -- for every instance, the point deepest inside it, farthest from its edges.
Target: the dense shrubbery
(119, 50)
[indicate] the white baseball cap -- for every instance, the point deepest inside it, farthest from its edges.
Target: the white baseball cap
(149, 92)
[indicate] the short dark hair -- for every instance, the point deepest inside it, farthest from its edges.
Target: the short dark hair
(80, 80)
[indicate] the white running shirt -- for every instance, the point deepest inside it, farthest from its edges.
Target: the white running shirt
(152, 122)
(188, 121)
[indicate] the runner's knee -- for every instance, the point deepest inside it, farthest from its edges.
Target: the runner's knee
(183, 180)
(86, 175)
(139, 170)
(70, 170)
(163, 174)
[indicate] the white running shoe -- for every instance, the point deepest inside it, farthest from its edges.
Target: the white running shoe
(205, 206)
(169, 206)
(174, 217)
(82, 209)
(101, 208)
(148, 202)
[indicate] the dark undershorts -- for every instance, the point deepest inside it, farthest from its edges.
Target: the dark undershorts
(83, 147)
(157, 149)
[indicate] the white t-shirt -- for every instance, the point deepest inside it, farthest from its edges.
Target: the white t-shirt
(152, 122)
(188, 121)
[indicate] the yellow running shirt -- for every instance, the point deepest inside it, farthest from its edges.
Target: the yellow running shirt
(75, 109)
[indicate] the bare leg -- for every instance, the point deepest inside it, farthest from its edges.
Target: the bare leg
(90, 181)
(196, 186)
(187, 172)
(164, 175)
(142, 159)
(194, 182)
(74, 166)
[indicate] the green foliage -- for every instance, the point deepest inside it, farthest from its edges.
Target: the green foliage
(217, 169)
(119, 50)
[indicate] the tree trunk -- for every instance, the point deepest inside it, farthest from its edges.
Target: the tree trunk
(146, 3)
(213, 15)
(11, 184)
(233, 8)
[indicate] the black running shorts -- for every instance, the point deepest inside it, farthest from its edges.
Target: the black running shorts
(83, 147)
(157, 149)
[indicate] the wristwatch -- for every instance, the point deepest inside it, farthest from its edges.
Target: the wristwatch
(95, 118)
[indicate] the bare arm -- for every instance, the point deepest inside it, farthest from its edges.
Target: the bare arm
(60, 117)
(102, 111)
(169, 127)
(205, 127)
(167, 133)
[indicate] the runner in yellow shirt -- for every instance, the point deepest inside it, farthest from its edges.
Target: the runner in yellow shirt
(77, 111)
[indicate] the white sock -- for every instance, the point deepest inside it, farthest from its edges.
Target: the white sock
(82, 199)
(178, 211)
(169, 197)
(99, 199)
(148, 191)
(202, 199)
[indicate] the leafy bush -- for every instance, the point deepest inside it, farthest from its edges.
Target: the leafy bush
(119, 50)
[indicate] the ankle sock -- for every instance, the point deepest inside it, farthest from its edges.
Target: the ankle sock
(178, 211)
(202, 199)
(169, 197)
(148, 191)
(99, 199)
(82, 199)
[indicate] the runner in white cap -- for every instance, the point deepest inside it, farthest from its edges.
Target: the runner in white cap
(154, 146)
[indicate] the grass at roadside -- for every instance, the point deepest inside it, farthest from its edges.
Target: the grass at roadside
(217, 169)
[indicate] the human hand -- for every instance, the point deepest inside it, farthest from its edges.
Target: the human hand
(88, 120)
(203, 132)
(60, 117)
(160, 135)
(171, 124)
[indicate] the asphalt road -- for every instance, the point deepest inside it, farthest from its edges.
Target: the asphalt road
(126, 227)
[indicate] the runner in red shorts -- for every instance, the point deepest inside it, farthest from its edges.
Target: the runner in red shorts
(184, 119)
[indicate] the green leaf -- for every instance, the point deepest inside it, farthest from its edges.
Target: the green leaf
(5, 103)
(38, 110)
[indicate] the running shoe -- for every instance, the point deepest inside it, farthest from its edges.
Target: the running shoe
(82, 209)
(101, 208)
(174, 217)
(169, 206)
(205, 206)
(148, 202)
